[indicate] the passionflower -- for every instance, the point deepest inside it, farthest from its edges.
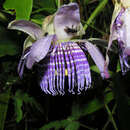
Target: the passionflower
(57, 54)
(120, 31)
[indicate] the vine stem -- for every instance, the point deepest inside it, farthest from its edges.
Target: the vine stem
(87, 127)
(107, 123)
(111, 117)
(59, 3)
(99, 8)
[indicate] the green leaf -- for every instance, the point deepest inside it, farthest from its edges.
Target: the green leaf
(118, 69)
(99, 8)
(49, 9)
(33, 103)
(18, 102)
(7, 45)
(21, 97)
(8, 48)
(55, 124)
(95, 69)
(45, 4)
(92, 106)
(96, 104)
(4, 100)
(37, 18)
(73, 126)
(22, 8)
(87, 1)
(122, 100)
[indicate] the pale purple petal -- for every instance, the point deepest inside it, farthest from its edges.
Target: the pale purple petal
(22, 61)
(69, 11)
(124, 63)
(28, 27)
(98, 59)
(21, 67)
(39, 50)
(121, 26)
(127, 51)
(124, 58)
(67, 16)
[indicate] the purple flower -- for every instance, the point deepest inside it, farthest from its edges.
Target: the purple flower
(57, 55)
(120, 27)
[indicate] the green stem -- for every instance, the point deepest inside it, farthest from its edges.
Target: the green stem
(108, 121)
(95, 28)
(5, 97)
(99, 8)
(4, 107)
(71, 0)
(87, 127)
(59, 3)
(3, 18)
(111, 117)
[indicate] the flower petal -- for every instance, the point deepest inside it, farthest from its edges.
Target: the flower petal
(70, 11)
(113, 32)
(127, 51)
(28, 27)
(67, 22)
(39, 50)
(22, 61)
(98, 59)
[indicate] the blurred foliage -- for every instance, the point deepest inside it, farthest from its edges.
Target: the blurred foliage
(23, 106)
(22, 9)
(7, 45)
